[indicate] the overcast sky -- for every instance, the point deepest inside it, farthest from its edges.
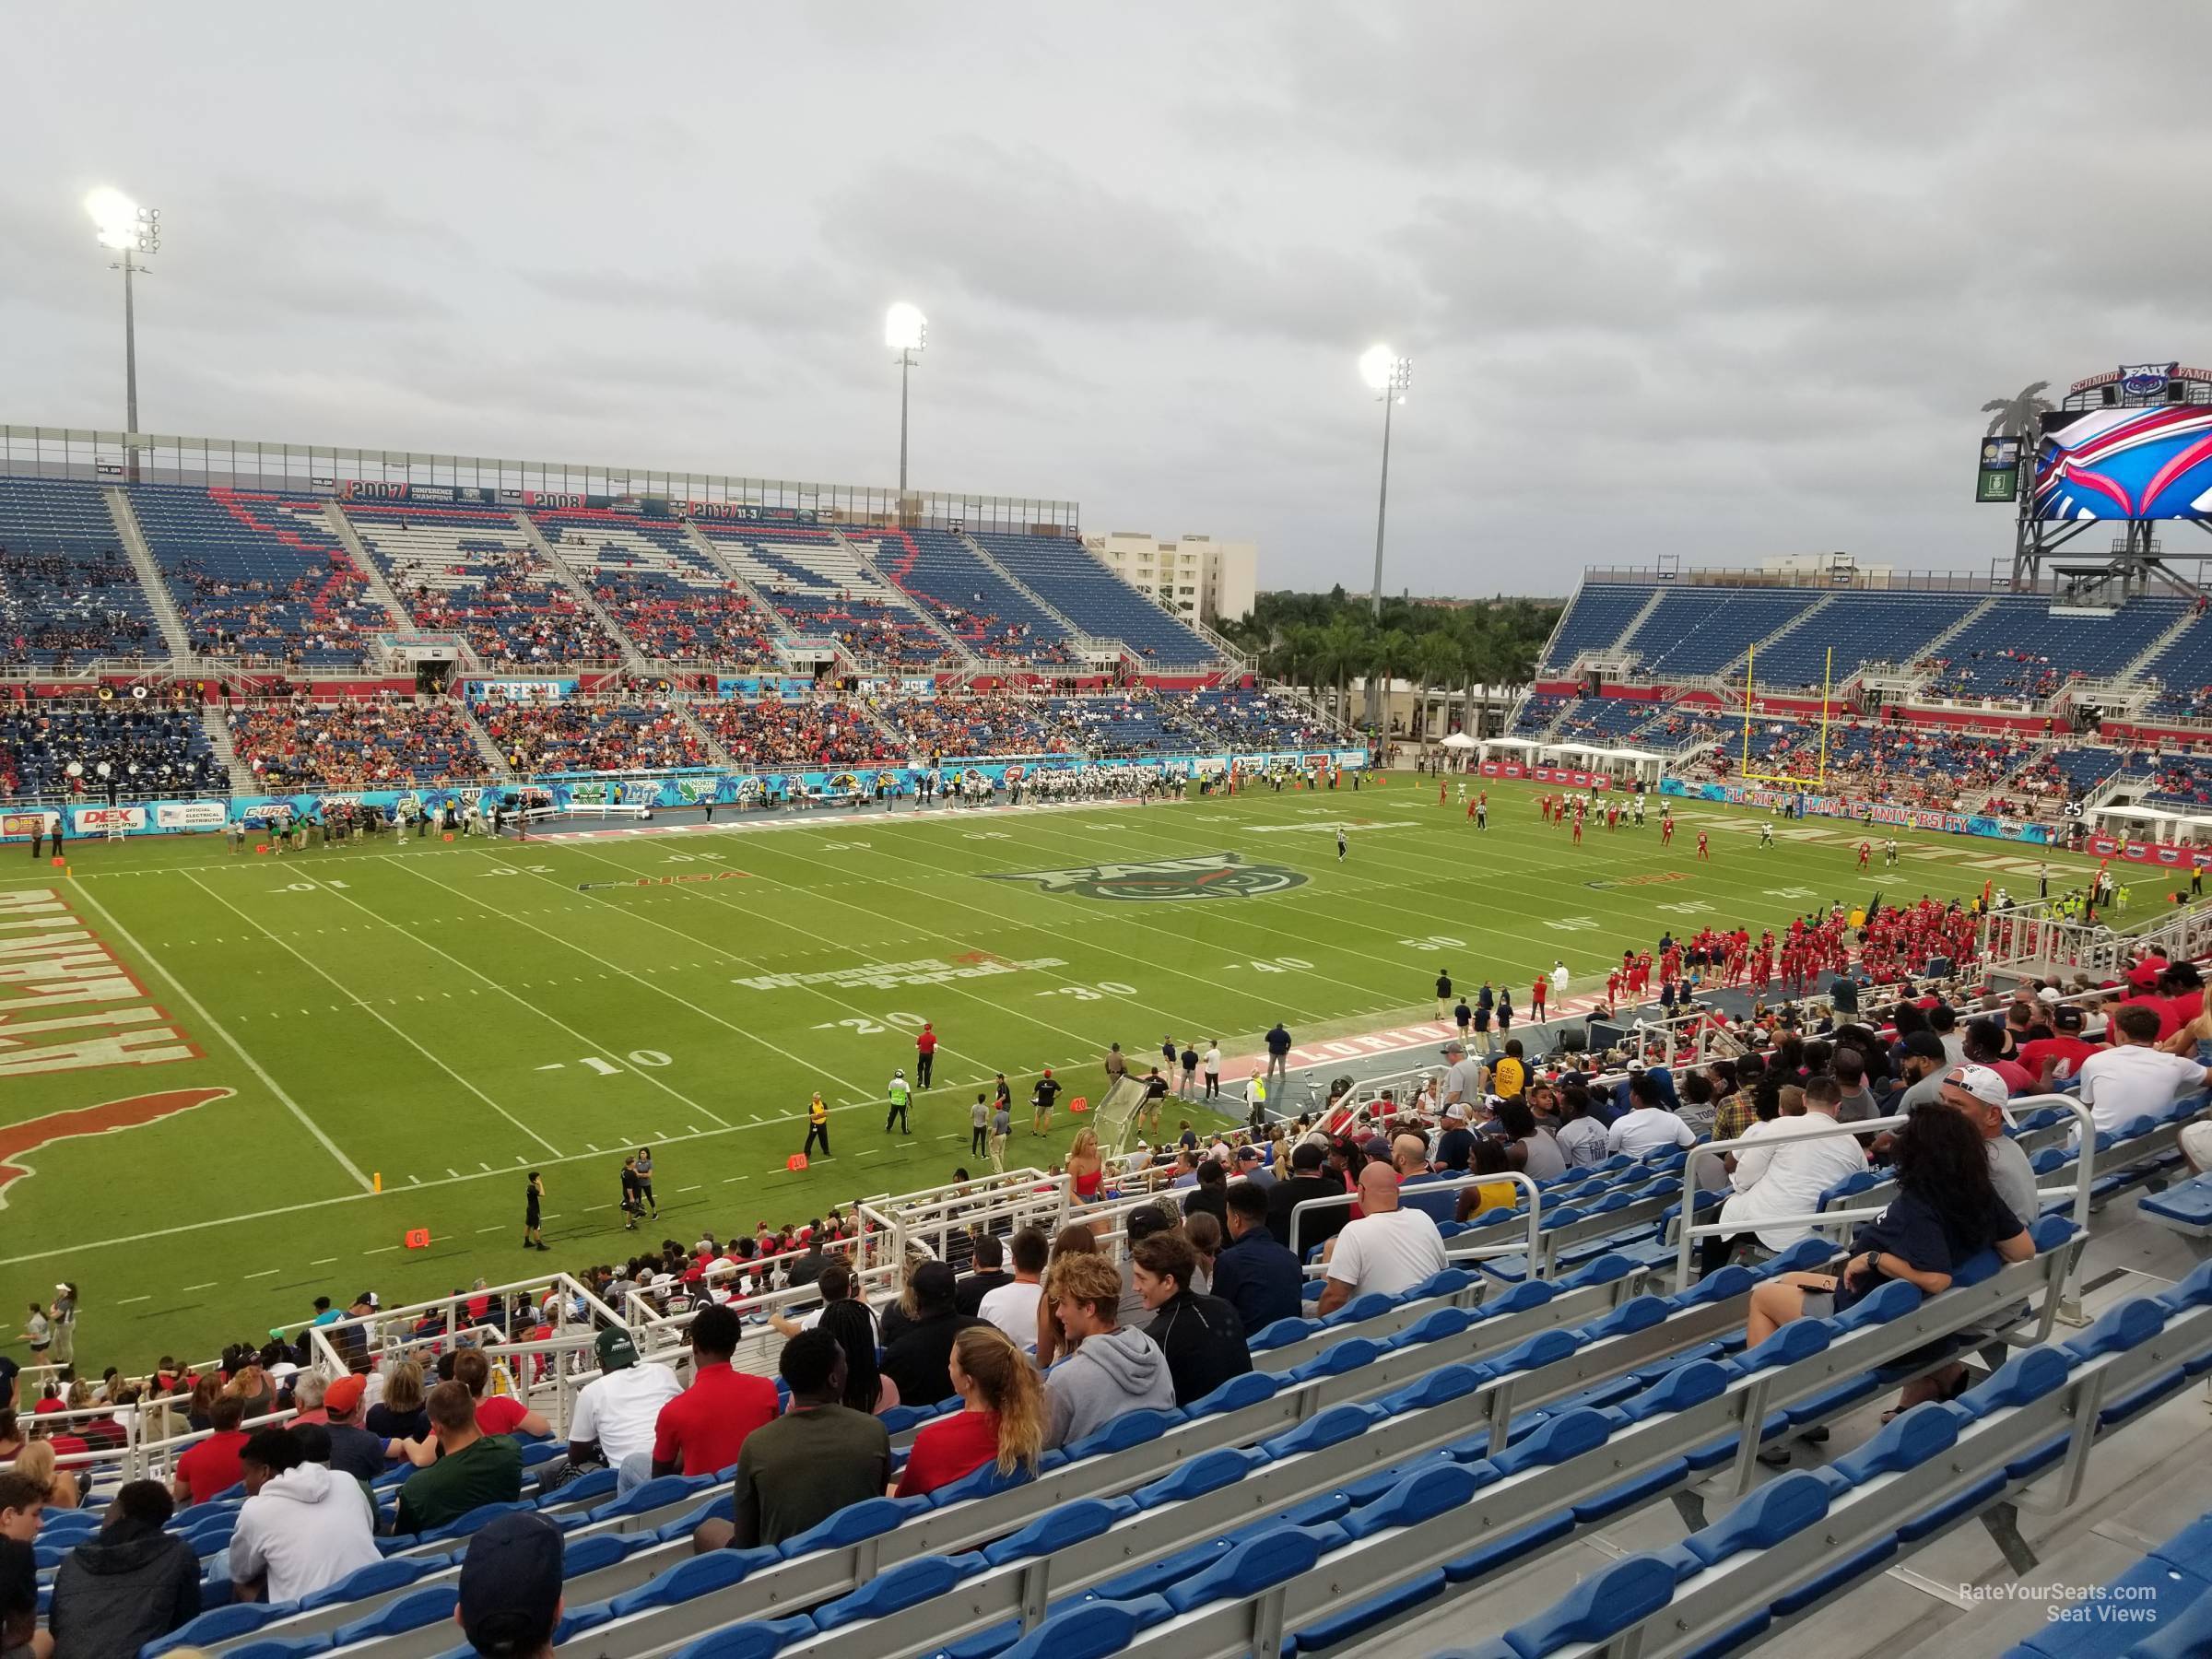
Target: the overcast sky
(1722, 280)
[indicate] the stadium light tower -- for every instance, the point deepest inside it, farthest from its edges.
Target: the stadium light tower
(905, 331)
(132, 232)
(1387, 375)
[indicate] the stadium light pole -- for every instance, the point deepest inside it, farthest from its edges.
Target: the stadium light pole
(1387, 375)
(130, 230)
(906, 332)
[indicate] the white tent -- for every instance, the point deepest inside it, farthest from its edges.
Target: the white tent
(1458, 740)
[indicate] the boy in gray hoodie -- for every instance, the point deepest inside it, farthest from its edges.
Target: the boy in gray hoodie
(1112, 1369)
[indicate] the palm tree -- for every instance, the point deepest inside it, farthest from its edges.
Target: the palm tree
(1390, 658)
(2020, 415)
(1435, 663)
(1342, 649)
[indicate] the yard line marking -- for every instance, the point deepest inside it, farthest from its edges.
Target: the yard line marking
(190, 1289)
(380, 1249)
(454, 1173)
(495, 1227)
(727, 1179)
(124, 1301)
(381, 1019)
(265, 1272)
(692, 1188)
(483, 1166)
(325, 1262)
(199, 1008)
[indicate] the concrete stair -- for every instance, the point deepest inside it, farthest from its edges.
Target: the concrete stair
(633, 660)
(242, 780)
(149, 573)
(350, 539)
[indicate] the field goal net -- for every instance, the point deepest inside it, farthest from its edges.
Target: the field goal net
(1117, 1112)
(1789, 769)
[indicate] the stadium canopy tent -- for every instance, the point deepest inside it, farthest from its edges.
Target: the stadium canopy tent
(1520, 749)
(2159, 823)
(1459, 740)
(1643, 764)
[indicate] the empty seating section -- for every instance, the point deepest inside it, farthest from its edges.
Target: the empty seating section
(151, 749)
(2020, 651)
(964, 725)
(1062, 572)
(1860, 627)
(663, 592)
(68, 591)
(1702, 631)
(473, 572)
(799, 734)
(357, 745)
(259, 576)
(1595, 618)
(578, 736)
(1125, 725)
(2183, 671)
(977, 606)
(818, 584)
(1253, 719)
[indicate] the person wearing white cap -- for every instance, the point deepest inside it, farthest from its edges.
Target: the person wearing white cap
(1981, 1095)
(899, 1094)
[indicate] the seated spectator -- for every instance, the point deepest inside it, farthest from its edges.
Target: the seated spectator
(353, 1450)
(1012, 1307)
(2134, 1078)
(22, 1509)
(1647, 1125)
(818, 1457)
(510, 1588)
(211, 1467)
(988, 1275)
(1253, 1274)
(1390, 1249)
(1201, 1335)
(1529, 1149)
(474, 1469)
(1306, 1182)
(303, 1526)
(866, 1388)
(1003, 1416)
(1583, 1136)
(1785, 1172)
(1114, 1368)
(496, 1414)
(919, 1362)
(1053, 1342)
(128, 1584)
(615, 1416)
(400, 1415)
(703, 1429)
(37, 1461)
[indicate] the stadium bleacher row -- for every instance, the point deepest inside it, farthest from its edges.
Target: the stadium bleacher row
(660, 590)
(67, 591)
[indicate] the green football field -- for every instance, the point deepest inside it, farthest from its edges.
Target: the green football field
(238, 1051)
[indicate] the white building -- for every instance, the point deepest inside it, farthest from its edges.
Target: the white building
(1196, 577)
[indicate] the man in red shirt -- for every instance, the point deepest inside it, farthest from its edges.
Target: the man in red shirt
(2052, 1060)
(212, 1465)
(702, 1429)
(925, 1053)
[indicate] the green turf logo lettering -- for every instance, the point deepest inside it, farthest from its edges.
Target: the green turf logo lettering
(1205, 876)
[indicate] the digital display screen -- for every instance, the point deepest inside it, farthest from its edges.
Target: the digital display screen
(2151, 463)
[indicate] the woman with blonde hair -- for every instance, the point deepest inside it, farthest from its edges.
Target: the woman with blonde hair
(36, 1463)
(1003, 1418)
(1051, 1340)
(400, 1415)
(1086, 1168)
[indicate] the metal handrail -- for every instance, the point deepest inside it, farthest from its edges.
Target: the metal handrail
(1449, 1184)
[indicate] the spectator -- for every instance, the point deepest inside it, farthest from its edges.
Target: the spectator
(1306, 1182)
(212, 1465)
(22, 1507)
(1484, 1196)
(1528, 1148)
(1855, 1103)
(1003, 1415)
(1012, 1307)
(1390, 1249)
(1455, 1143)
(496, 1414)
(2134, 1078)
(474, 1469)
(1254, 1274)
(1979, 1094)
(615, 1416)
(400, 1415)
(510, 1588)
(1208, 1194)
(704, 1429)
(808, 1463)
(919, 1363)
(1647, 1125)
(353, 1450)
(38, 1462)
(1583, 1136)
(1114, 1368)
(303, 1527)
(1074, 1239)
(989, 1275)
(866, 1388)
(129, 1584)
(1785, 1173)
(1201, 1335)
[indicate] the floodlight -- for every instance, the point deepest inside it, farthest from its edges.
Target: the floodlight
(116, 217)
(905, 329)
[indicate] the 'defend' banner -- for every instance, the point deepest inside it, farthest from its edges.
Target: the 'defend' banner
(1504, 769)
(1859, 811)
(1571, 776)
(2156, 853)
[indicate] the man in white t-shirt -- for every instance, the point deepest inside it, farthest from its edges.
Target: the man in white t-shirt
(1388, 1250)
(1787, 1169)
(1647, 1125)
(1013, 1308)
(613, 1418)
(2134, 1077)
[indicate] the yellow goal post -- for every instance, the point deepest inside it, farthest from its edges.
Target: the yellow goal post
(1795, 779)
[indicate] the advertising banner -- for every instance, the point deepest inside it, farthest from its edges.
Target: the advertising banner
(190, 814)
(520, 690)
(98, 820)
(1860, 811)
(2156, 853)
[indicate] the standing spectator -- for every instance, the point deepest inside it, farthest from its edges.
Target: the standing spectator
(1113, 1369)
(925, 1053)
(475, 1468)
(920, 1360)
(615, 1416)
(1013, 1307)
(1389, 1250)
(1254, 1274)
(979, 1126)
(1201, 1335)
(534, 1199)
(212, 1465)
(303, 1527)
(1189, 1059)
(38, 1334)
(1002, 1416)
(1212, 1063)
(510, 1588)
(705, 1428)
(22, 1508)
(129, 1584)
(1041, 1103)
(808, 1463)
(61, 1319)
(1278, 1056)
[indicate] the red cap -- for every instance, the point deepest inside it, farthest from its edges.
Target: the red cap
(342, 1396)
